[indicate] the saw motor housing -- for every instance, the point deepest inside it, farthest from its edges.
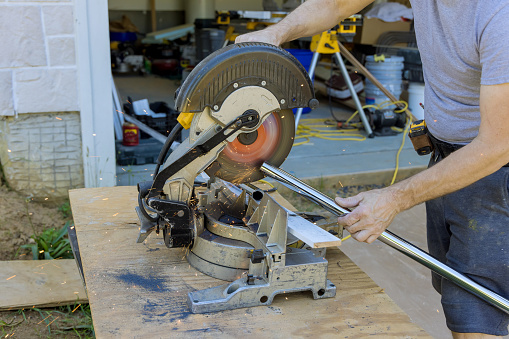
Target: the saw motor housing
(239, 100)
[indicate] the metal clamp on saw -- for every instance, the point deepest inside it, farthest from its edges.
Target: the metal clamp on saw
(237, 105)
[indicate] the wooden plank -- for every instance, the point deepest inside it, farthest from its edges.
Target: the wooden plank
(140, 290)
(312, 235)
(40, 283)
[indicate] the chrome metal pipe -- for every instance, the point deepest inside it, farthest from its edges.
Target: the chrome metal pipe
(390, 239)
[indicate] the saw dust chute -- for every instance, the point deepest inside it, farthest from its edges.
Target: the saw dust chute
(237, 106)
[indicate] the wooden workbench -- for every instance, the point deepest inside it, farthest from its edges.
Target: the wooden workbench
(140, 290)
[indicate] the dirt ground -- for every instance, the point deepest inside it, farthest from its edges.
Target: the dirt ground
(20, 218)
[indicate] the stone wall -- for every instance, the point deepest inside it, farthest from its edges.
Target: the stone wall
(42, 157)
(40, 140)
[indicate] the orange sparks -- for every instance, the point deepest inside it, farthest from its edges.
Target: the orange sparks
(44, 319)
(58, 118)
(11, 277)
(52, 321)
(76, 308)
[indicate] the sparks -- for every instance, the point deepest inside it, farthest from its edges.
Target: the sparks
(44, 319)
(52, 321)
(11, 277)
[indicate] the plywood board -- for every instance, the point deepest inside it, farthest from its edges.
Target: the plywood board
(40, 283)
(140, 290)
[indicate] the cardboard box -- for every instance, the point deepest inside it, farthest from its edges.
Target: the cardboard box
(371, 30)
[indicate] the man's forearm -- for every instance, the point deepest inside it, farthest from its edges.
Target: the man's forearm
(462, 168)
(315, 16)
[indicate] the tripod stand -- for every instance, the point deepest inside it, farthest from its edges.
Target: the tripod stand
(326, 43)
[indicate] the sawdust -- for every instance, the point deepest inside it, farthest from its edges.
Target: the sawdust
(20, 217)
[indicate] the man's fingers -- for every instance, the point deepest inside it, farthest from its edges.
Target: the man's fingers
(365, 236)
(347, 220)
(348, 202)
(361, 236)
(372, 238)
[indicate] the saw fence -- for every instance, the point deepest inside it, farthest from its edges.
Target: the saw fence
(140, 290)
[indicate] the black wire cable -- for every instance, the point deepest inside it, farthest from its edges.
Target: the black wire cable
(160, 159)
(167, 145)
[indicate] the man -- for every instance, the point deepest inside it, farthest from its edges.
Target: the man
(464, 46)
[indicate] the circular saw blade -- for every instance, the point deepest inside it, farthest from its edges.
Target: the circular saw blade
(240, 160)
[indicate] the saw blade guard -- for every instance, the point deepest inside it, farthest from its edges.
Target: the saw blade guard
(246, 64)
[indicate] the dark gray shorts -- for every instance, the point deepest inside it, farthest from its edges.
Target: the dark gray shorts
(469, 231)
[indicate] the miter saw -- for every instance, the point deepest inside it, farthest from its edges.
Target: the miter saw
(237, 105)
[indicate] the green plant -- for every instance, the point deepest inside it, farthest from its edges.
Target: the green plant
(65, 209)
(51, 244)
(77, 319)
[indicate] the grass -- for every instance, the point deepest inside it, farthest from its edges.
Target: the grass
(65, 209)
(64, 321)
(51, 243)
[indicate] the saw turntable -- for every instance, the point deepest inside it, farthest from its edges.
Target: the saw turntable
(237, 106)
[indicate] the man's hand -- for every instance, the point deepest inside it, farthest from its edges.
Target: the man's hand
(373, 212)
(265, 35)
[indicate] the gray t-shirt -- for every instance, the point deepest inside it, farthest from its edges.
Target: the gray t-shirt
(463, 44)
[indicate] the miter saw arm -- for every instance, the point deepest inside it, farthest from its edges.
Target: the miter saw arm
(176, 213)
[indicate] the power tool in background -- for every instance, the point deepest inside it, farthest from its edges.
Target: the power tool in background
(383, 121)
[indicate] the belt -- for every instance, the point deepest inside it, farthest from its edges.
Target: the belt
(445, 149)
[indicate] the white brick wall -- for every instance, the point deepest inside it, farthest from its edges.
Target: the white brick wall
(37, 59)
(45, 90)
(40, 150)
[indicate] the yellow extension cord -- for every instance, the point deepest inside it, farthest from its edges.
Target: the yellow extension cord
(319, 128)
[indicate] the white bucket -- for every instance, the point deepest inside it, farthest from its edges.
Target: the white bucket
(415, 98)
(388, 73)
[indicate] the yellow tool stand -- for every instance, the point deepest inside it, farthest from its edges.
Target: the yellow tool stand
(327, 43)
